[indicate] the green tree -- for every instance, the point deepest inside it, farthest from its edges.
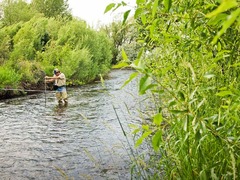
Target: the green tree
(34, 42)
(4, 46)
(14, 11)
(6, 41)
(123, 36)
(52, 8)
(32, 37)
(77, 36)
(189, 64)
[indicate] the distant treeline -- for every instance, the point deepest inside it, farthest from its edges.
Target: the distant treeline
(31, 47)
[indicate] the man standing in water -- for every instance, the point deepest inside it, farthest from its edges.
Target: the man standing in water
(60, 84)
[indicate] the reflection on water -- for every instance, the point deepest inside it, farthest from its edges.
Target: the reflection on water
(82, 139)
(60, 108)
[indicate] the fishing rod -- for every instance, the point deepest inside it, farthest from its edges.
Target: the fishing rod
(29, 90)
(25, 90)
(45, 90)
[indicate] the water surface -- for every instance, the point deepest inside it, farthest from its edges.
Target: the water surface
(83, 140)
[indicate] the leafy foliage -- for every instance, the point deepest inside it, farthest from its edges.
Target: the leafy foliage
(34, 48)
(190, 64)
(123, 37)
(16, 11)
(8, 77)
(51, 8)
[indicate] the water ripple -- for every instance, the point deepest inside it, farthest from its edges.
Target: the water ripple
(41, 140)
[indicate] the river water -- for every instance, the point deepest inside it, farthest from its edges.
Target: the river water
(83, 140)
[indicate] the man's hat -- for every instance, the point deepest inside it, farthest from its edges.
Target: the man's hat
(55, 71)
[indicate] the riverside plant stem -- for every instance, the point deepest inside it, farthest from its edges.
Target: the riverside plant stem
(139, 168)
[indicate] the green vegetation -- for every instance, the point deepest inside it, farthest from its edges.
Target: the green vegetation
(35, 39)
(189, 64)
(123, 37)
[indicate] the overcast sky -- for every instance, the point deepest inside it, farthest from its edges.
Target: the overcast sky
(92, 11)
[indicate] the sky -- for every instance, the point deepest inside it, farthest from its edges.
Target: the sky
(92, 11)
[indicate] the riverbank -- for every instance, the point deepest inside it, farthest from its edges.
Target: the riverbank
(10, 92)
(40, 87)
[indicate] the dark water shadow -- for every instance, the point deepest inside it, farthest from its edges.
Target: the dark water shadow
(60, 108)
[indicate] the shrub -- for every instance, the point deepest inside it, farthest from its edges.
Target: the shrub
(8, 77)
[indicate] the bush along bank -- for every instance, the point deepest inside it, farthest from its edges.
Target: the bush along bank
(32, 49)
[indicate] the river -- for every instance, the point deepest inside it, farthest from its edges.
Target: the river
(83, 140)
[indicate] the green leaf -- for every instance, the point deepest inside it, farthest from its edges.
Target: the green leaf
(202, 174)
(143, 19)
(120, 65)
(213, 174)
(224, 93)
(145, 127)
(125, 16)
(223, 88)
(153, 27)
(138, 12)
(138, 64)
(144, 136)
(224, 6)
(136, 131)
(123, 3)
(172, 103)
(187, 64)
(198, 135)
(158, 119)
(218, 19)
(135, 128)
(185, 124)
(116, 7)
(179, 111)
(124, 55)
(231, 19)
(145, 84)
(181, 95)
(132, 76)
(155, 6)
(201, 103)
(235, 65)
(109, 7)
(157, 139)
(167, 4)
(138, 2)
(140, 53)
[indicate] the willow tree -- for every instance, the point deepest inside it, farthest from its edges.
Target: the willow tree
(14, 11)
(192, 71)
(52, 8)
(123, 37)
